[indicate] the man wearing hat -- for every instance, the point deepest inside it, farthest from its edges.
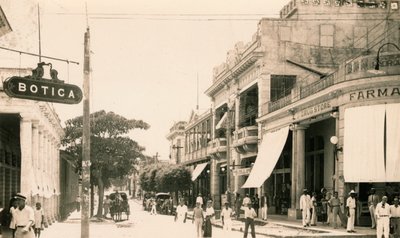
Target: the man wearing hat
(305, 206)
(351, 211)
(226, 215)
(24, 219)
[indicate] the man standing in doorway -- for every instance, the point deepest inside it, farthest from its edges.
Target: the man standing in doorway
(351, 211)
(373, 200)
(382, 213)
(305, 206)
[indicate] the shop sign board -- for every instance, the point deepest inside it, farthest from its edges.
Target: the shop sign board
(42, 90)
(314, 110)
(242, 171)
(35, 87)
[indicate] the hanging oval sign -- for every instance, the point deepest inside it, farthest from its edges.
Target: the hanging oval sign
(42, 90)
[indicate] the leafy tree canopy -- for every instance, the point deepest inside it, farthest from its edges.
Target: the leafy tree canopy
(112, 153)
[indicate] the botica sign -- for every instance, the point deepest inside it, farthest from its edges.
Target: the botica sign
(42, 90)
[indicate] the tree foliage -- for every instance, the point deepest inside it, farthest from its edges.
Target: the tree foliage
(112, 153)
(165, 178)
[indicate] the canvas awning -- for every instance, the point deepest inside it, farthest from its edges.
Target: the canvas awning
(197, 171)
(269, 152)
(371, 151)
(221, 122)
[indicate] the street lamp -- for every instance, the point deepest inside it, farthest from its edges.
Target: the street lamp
(334, 140)
(379, 50)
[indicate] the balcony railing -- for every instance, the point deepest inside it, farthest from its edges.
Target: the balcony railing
(359, 68)
(245, 139)
(217, 145)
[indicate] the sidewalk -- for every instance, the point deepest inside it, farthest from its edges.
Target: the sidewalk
(72, 228)
(280, 226)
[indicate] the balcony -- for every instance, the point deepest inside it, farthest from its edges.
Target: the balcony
(361, 68)
(246, 139)
(217, 148)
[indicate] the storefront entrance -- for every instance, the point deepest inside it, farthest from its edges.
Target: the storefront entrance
(278, 185)
(10, 157)
(315, 164)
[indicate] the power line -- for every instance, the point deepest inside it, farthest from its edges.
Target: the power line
(43, 56)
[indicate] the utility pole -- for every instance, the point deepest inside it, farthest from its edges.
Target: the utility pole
(177, 147)
(86, 140)
(156, 158)
(228, 152)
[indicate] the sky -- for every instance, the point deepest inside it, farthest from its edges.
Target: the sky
(147, 55)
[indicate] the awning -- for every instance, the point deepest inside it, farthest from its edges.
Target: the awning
(221, 122)
(363, 148)
(392, 142)
(269, 152)
(197, 171)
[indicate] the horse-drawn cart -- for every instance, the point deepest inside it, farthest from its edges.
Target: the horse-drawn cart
(119, 204)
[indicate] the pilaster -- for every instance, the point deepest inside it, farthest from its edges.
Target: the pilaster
(26, 157)
(298, 165)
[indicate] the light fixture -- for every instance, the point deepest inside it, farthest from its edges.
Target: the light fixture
(379, 50)
(334, 140)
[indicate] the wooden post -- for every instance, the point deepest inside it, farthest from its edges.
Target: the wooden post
(86, 141)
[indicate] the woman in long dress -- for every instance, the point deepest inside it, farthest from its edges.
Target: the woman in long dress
(210, 213)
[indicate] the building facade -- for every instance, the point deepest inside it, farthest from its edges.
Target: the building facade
(29, 151)
(303, 105)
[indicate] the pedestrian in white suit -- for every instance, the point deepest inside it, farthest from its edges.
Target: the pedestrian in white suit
(382, 213)
(305, 206)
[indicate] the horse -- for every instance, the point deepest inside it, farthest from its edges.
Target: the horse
(119, 204)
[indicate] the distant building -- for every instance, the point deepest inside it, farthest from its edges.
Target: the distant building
(176, 136)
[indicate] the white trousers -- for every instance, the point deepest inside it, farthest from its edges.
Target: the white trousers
(382, 227)
(227, 225)
(264, 213)
(351, 219)
(306, 216)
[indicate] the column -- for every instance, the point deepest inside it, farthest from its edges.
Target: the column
(26, 157)
(214, 187)
(39, 169)
(35, 157)
(298, 165)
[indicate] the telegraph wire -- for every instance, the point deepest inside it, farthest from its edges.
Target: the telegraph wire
(43, 56)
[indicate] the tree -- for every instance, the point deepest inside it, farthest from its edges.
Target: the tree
(165, 178)
(112, 153)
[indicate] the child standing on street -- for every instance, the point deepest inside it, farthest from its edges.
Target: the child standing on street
(39, 219)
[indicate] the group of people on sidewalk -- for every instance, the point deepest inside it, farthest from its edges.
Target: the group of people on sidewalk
(383, 215)
(202, 219)
(21, 220)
